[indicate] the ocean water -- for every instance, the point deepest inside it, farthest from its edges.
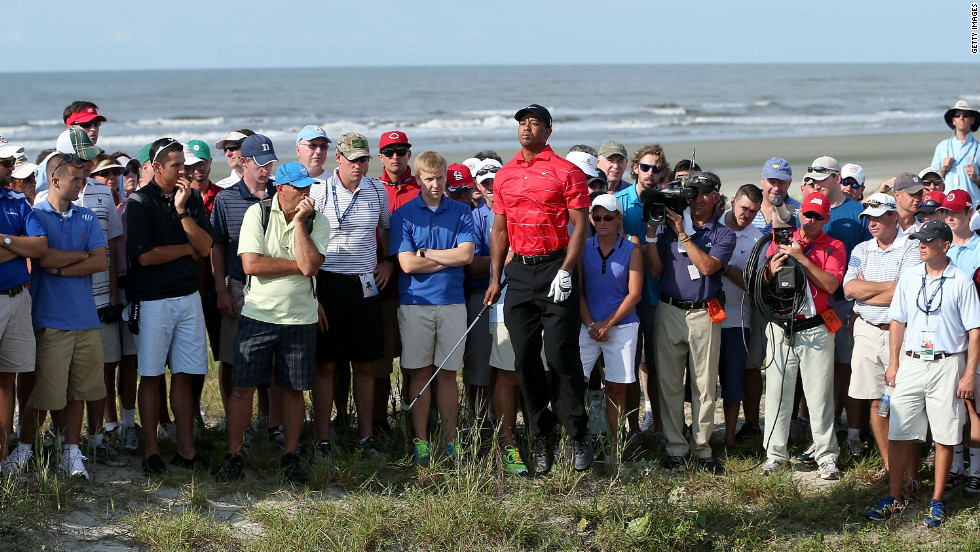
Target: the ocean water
(461, 109)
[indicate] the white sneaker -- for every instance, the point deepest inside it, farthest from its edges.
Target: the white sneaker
(167, 432)
(829, 471)
(772, 466)
(16, 461)
(646, 424)
(73, 465)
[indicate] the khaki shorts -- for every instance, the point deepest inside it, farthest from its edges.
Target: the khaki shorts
(925, 398)
(392, 348)
(17, 347)
(69, 368)
(429, 332)
(229, 325)
(868, 361)
(501, 350)
(111, 339)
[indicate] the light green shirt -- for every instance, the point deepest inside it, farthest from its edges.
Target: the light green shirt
(288, 299)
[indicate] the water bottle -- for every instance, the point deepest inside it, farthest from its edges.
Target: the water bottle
(884, 405)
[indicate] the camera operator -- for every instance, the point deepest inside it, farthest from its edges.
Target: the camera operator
(690, 261)
(809, 343)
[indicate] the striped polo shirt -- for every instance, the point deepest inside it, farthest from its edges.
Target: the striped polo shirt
(226, 218)
(535, 196)
(354, 219)
(875, 264)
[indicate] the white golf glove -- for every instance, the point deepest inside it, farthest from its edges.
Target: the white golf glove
(561, 286)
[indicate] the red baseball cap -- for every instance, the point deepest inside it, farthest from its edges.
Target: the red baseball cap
(956, 201)
(84, 116)
(392, 138)
(458, 177)
(817, 203)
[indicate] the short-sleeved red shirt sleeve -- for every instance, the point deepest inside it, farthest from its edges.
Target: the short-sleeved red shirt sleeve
(828, 254)
(535, 196)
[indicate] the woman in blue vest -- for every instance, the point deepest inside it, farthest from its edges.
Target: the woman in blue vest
(611, 279)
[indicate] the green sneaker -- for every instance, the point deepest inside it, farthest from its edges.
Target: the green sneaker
(512, 461)
(420, 454)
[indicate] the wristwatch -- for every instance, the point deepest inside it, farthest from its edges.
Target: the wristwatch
(421, 252)
(182, 216)
(7, 241)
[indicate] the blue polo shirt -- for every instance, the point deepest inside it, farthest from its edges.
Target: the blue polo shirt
(847, 225)
(482, 223)
(966, 257)
(414, 226)
(632, 208)
(227, 215)
(715, 239)
(16, 219)
(963, 154)
(66, 302)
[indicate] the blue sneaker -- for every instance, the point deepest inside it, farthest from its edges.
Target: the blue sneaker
(935, 514)
(808, 456)
(454, 453)
(420, 453)
(884, 510)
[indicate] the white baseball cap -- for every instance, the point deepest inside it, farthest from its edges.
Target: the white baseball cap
(585, 161)
(854, 171)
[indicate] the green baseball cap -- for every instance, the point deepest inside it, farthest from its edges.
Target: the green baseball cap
(75, 140)
(144, 155)
(353, 146)
(196, 151)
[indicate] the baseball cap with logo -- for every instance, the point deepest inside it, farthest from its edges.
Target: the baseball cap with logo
(312, 132)
(196, 151)
(231, 139)
(393, 138)
(821, 168)
(84, 116)
(956, 201)
(486, 170)
(22, 169)
(878, 204)
(259, 148)
(294, 174)
(930, 202)
(353, 146)
(585, 161)
(930, 170)
(932, 230)
(606, 201)
(908, 183)
(816, 202)
(704, 181)
(458, 177)
(472, 163)
(852, 170)
(8, 150)
(540, 113)
(777, 168)
(612, 147)
(76, 141)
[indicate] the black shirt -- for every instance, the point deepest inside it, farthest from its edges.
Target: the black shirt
(150, 220)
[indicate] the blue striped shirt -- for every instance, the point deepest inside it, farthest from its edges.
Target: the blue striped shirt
(226, 217)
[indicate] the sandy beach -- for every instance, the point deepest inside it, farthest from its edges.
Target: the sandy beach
(738, 161)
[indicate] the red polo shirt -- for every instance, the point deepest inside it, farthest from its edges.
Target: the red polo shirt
(401, 192)
(825, 252)
(208, 198)
(535, 196)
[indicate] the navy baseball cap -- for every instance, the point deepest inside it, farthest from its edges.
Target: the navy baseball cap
(259, 148)
(539, 112)
(778, 168)
(294, 174)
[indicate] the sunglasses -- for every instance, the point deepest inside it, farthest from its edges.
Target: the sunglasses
(821, 170)
(488, 170)
(163, 147)
(876, 204)
(89, 124)
(813, 216)
(391, 152)
(8, 163)
(234, 148)
(852, 183)
(112, 173)
(959, 114)
(314, 147)
(364, 159)
(131, 172)
(66, 159)
(607, 218)
(935, 182)
(655, 169)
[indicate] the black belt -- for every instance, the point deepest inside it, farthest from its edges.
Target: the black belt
(15, 290)
(885, 327)
(807, 323)
(538, 259)
(686, 305)
(936, 356)
(340, 276)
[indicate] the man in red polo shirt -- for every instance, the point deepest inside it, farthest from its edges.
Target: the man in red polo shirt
(808, 342)
(537, 194)
(394, 152)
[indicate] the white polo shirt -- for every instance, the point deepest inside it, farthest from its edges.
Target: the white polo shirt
(955, 308)
(875, 264)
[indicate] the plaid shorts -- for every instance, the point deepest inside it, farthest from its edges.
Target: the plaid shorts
(289, 349)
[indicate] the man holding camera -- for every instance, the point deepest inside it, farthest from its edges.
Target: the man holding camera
(690, 256)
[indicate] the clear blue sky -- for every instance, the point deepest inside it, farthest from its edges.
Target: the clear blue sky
(247, 33)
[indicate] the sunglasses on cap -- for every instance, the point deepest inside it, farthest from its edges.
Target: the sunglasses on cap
(814, 215)
(821, 170)
(488, 170)
(67, 159)
(607, 218)
(874, 204)
(88, 125)
(930, 203)
(233, 147)
(391, 152)
(931, 182)
(852, 183)
(655, 169)
(959, 114)
(8, 163)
